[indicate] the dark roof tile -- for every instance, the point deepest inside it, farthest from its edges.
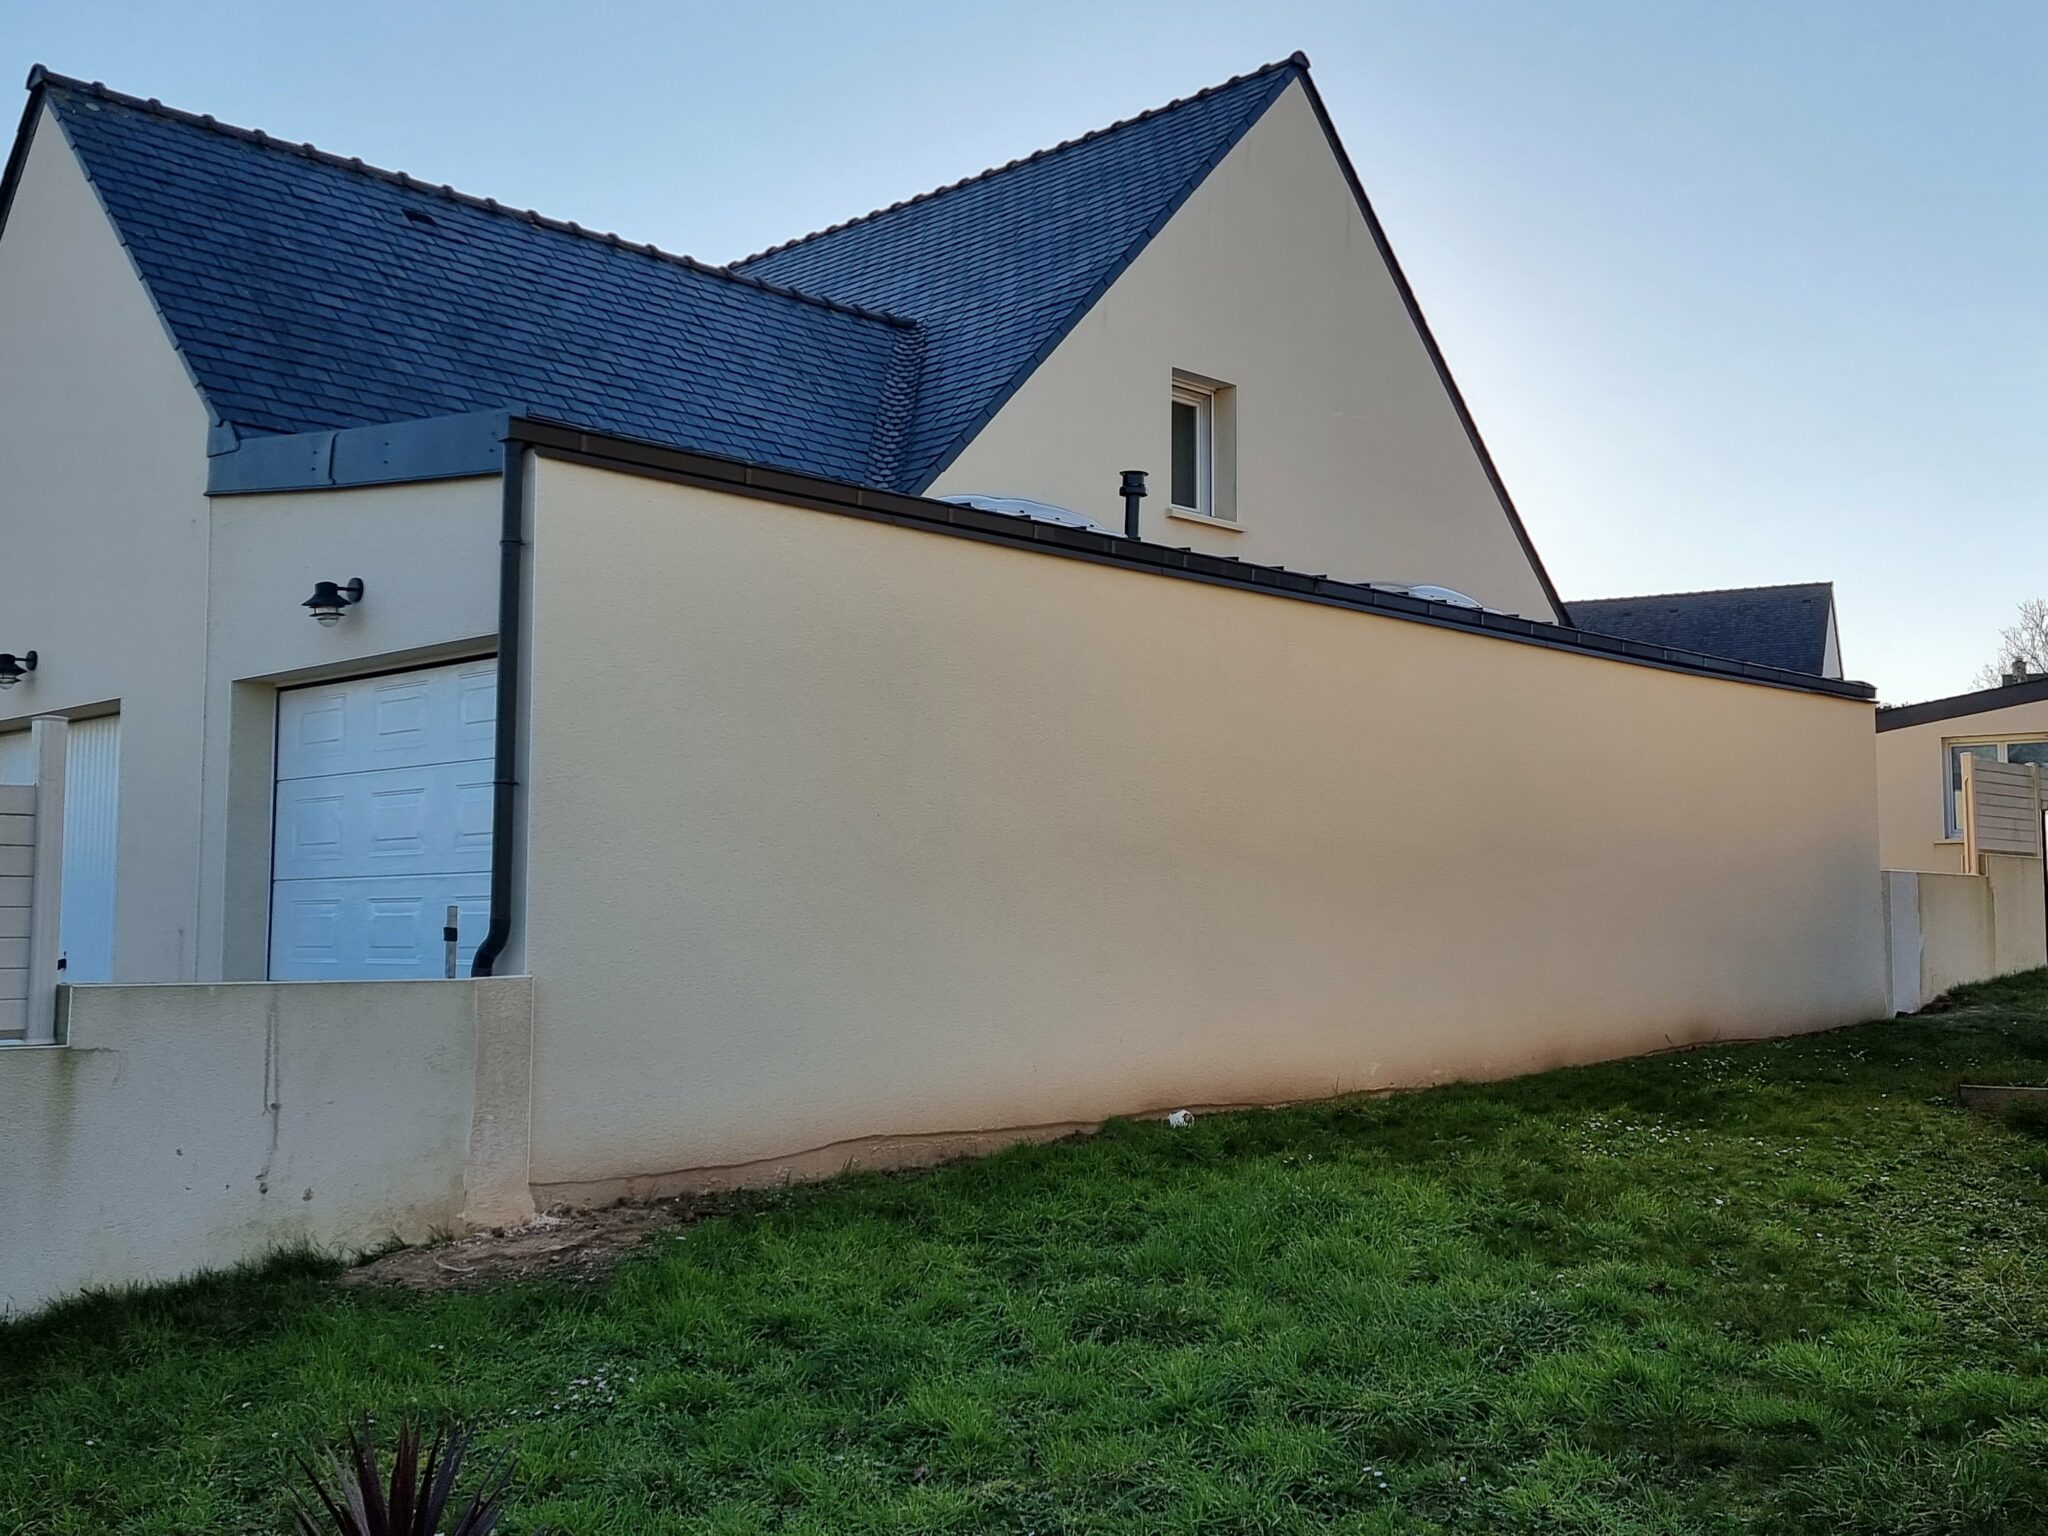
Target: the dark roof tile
(997, 268)
(308, 292)
(304, 299)
(1784, 626)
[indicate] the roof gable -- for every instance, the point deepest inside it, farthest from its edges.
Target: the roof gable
(1784, 626)
(998, 268)
(307, 293)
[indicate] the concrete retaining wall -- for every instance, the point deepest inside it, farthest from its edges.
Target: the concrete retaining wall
(191, 1126)
(1945, 931)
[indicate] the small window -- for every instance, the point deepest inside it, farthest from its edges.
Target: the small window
(1988, 752)
(1194, 450)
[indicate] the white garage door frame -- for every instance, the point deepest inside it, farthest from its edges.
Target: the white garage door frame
(381, 819)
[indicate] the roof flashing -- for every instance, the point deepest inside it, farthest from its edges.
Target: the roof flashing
(396, 453)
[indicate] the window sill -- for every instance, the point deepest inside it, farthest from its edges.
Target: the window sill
(1203, 517)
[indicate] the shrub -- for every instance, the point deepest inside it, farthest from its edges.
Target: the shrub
(358, 1501)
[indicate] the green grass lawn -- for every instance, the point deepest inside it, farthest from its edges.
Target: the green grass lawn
(1782, 1287)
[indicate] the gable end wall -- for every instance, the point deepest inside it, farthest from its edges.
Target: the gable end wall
(1350, 456)
(104, 521)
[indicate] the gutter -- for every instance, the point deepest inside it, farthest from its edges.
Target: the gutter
(505, 747)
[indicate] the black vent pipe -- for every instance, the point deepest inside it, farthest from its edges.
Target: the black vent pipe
(1134, 492)
(505, 748)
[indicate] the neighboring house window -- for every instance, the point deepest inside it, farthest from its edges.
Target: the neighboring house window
(1204, 457)
(2035, 751)
(1194, 450)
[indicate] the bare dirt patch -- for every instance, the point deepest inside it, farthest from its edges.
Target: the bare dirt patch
(568, 1245)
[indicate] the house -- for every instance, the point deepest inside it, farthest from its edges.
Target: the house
(827, 760)
(1920, 753)
(1790, 626)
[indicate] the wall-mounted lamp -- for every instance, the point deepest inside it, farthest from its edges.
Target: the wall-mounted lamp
(328, 600)
(14, 668)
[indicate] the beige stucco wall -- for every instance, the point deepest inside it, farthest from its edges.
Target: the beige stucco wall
(185, 615)
(1911, 764)
(1350, 458)
(872, 832)
(1955, 932)
(2019, 913)
(1945, 930)
(188, 1127)
(428, 556)
(102, 523)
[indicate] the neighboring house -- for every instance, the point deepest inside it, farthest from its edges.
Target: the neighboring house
(828, 815)
(1790, 626)
(1920, 748)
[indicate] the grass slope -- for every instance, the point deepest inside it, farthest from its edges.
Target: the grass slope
(1782, 1287)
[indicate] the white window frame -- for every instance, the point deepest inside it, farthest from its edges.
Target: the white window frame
(1204, 402)
(1951, 796)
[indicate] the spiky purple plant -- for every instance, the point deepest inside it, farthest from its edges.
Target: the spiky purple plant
(358, 1501)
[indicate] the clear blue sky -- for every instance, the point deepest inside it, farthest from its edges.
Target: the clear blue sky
(1739, 292)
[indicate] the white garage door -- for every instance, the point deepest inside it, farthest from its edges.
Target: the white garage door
(92, 783)
(383, 823)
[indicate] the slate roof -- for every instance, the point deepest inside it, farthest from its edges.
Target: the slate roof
(1784, 626)
(307, 292)
(999, 267)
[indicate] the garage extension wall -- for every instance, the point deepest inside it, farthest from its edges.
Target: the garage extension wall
(843, 830)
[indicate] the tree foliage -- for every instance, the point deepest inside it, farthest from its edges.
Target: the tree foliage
(2021, 647)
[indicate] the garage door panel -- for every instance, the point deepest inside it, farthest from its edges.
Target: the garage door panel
(408, 719)
(430, 820)
(365, 929)
(383, 821)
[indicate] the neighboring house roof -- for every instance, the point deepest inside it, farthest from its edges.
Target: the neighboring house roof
(308, 292)
(998, 268)
(1897, 716)
(1784, 626)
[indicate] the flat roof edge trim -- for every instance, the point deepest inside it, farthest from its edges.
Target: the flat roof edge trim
(632, 456)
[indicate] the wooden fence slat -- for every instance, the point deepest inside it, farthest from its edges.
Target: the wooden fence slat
(2001, 810)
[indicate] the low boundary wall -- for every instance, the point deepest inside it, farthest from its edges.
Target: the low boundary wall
(1944, 931)
(192, 1126)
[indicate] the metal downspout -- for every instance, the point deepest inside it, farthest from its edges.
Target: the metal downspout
(505, 749)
